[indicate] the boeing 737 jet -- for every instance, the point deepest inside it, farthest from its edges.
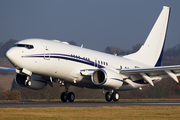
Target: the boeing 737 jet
(40, 62)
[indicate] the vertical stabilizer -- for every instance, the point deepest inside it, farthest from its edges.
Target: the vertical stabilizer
(151, 52)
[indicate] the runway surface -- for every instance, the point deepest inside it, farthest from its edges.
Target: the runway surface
(87, 104)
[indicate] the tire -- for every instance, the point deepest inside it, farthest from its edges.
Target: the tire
(26, 82)
(29, 83)
(70, 96)
(63, 97)
(108, 97)
(115, 96)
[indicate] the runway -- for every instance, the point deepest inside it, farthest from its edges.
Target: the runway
(87, 104)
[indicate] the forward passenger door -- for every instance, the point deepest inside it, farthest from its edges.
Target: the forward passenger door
(46, 51)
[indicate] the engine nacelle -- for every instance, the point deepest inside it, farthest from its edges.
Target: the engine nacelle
(32, 82)
(108, 78)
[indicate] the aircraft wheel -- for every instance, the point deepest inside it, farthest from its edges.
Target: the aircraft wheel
(108, 97)
(26, 82)
(29, 83)
(70, 96)
(63, 97)
(115, 96)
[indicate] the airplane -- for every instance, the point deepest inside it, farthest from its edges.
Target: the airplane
(39, 62)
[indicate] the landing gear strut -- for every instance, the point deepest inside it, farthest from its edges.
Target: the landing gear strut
(112, 96)
(67, 96)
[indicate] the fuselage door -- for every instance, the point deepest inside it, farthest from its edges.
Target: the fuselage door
(46, 51)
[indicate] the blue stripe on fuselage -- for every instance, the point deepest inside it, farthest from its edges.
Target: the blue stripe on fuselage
(66, 57)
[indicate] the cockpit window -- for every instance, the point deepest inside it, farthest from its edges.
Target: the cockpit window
(24, 45)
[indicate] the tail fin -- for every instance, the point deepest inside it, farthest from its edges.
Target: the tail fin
(151, 52)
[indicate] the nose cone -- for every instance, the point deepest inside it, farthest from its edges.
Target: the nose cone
(11, 55)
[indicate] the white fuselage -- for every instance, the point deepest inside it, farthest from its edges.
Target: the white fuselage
(63, 61)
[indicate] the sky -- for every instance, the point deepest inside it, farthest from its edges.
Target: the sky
(94, 23)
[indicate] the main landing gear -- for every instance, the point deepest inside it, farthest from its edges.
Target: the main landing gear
(67, 96)
(112, 96)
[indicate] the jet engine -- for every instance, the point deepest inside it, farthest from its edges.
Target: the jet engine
(107, 78)
(33, 82)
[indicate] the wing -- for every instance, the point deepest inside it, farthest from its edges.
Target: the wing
(149, 74)
(8, 69)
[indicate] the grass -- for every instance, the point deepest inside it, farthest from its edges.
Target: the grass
(89, 113)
